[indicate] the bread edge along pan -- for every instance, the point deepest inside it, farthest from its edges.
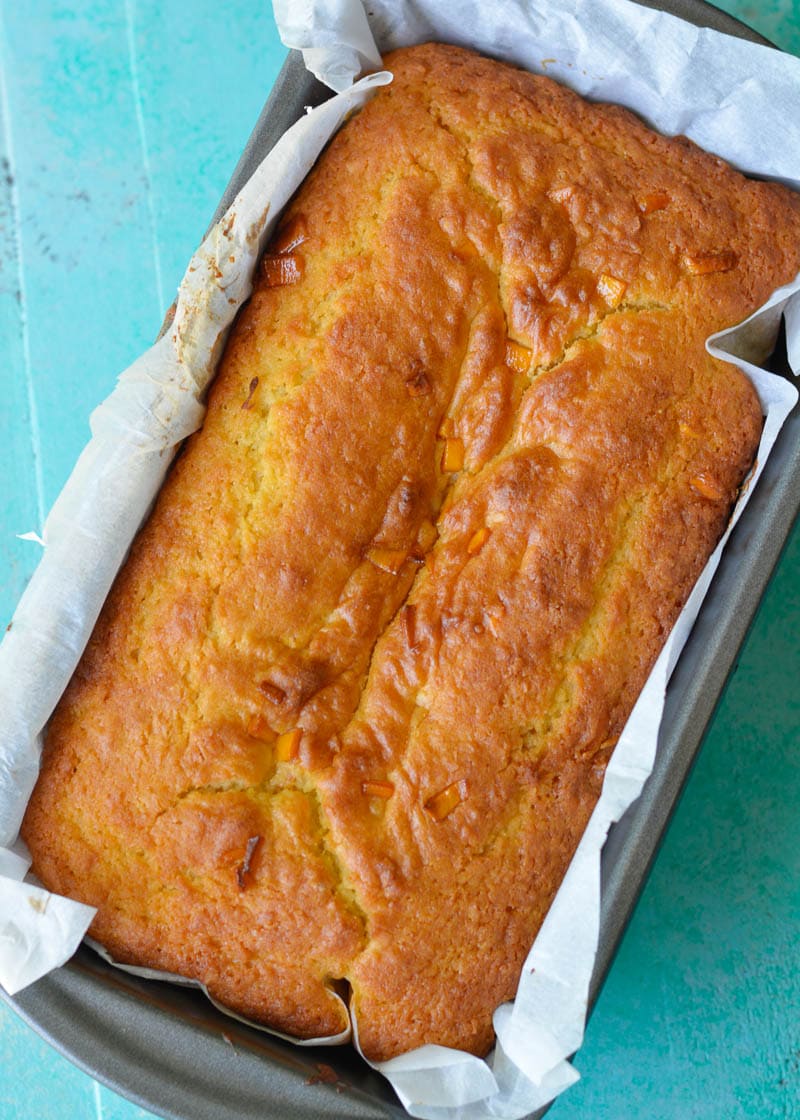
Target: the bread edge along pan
(169, 1050)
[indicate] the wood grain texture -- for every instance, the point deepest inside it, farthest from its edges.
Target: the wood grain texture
(699, 1016)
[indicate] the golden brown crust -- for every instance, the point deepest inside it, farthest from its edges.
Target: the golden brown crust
(482, 267)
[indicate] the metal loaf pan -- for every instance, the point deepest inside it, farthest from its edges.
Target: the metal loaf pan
(169, 1050)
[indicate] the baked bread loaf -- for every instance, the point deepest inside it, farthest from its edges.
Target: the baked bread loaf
(349, 704)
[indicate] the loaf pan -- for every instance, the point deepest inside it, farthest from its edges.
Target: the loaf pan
(167, 1049)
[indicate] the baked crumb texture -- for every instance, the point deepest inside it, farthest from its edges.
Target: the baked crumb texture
(348, 707)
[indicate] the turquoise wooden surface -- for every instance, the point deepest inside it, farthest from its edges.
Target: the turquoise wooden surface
(120, 123)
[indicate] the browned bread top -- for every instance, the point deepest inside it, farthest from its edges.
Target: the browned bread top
(349, 704)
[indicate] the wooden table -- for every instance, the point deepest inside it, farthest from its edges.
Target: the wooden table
(121, 122)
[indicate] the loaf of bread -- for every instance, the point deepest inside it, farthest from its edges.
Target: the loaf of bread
(349, 704)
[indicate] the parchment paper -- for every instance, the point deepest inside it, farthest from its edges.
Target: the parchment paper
(734, 98)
